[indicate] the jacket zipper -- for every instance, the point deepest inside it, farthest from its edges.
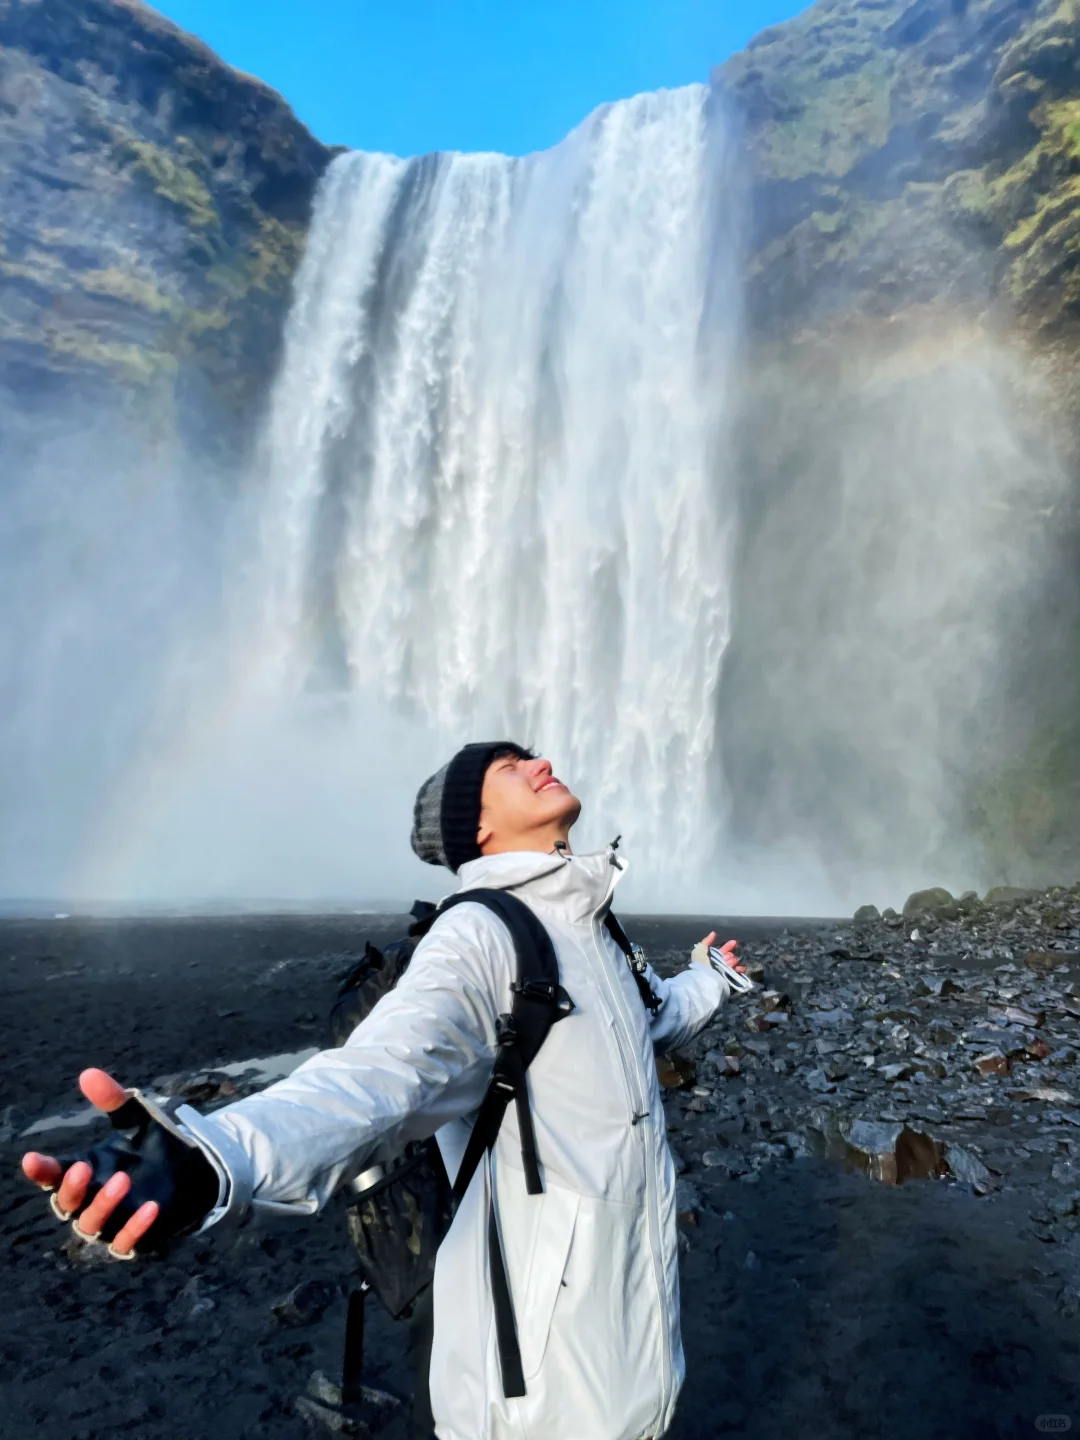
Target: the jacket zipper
(640, 1112)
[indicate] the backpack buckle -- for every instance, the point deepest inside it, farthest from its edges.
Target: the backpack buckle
(536, 990)
(506, 1030)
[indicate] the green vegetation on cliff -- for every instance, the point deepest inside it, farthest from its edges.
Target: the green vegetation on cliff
(909, 151)
(154, 203)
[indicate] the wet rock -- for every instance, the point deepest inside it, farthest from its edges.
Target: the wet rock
(1037, 1049)
(891, 918)
(1016, 1015)
(197, 1089)
(678, 1159)
(1043, 1092)
(939, 986)
(676, 1072)
(688, 1201)
(898, 1070)
(967, 1167)
(371, 1405)
(775, 1000)
(993, 1064)
(304, 1304)
(772, 1020)
(326, 1417)
(890, 1152)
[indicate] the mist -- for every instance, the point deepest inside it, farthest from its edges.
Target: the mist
(796, 622)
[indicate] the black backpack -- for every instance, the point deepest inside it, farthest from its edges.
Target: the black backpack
(398, 1213)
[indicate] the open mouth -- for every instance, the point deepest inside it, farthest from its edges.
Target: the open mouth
(548, 784)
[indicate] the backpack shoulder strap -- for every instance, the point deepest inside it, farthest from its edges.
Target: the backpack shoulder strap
(635, 958)
(539, 1001)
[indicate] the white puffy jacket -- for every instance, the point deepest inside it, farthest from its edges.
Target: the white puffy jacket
(592, 1262)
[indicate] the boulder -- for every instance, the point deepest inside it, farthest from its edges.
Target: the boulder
(937, 902)
(1006, 897)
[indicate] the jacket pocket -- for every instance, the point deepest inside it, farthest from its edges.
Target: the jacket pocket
(537, 1235)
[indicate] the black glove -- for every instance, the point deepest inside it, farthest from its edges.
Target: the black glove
(164, 1165)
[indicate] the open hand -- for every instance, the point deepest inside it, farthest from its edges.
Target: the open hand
(729, 951)
(70, 1189)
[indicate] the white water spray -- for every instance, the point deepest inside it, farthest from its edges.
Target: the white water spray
(493, 495)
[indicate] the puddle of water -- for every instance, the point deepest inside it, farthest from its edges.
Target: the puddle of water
(270, 1067)
(267, 1067)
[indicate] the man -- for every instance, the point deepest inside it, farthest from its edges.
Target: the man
(592, 1261)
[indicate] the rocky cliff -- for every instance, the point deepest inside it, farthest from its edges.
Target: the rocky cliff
(153, 206)
(908, 416)
(906, 151)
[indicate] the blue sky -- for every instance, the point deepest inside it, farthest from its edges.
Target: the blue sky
(409, 76)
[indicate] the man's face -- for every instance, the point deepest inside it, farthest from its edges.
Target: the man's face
(521, 801)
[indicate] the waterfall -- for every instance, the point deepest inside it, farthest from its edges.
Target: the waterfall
(492, 495)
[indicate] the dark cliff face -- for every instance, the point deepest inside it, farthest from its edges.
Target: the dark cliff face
(905, 152)
(909, 398)
(153, 208)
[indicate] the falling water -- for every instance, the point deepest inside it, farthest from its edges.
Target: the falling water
(493, 495)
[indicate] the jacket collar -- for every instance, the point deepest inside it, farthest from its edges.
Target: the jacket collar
(576, 887)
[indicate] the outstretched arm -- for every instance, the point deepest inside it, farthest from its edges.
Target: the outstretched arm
(422, 1057)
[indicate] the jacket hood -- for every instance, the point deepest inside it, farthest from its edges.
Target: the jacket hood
(578, 885)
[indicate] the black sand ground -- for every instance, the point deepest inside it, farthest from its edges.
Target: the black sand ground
(814, 1303)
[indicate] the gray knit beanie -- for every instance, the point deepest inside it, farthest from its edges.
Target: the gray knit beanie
(446, 815)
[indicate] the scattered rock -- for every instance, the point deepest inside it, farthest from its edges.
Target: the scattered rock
(1016, 1015)
(688, 1201)
(936, 902)
(304, 1304)
(967, 1167)
(898, 1070)
(197, 1089)
(675, 1072)
(1044, 960)
(938, 985)
(867, 915)
(993, 1064)
(1006, 896)
(325, 1417)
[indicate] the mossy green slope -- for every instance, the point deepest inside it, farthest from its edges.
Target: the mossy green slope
(908, 151)
(153, 209)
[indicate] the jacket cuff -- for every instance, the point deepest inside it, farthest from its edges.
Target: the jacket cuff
(228, 1159)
